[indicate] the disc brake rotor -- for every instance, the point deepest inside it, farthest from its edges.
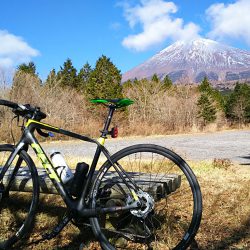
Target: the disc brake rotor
(147, 204)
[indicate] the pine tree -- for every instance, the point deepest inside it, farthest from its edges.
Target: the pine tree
(238, 104)
(67, 75)
(136, 81)
(29, 68)
(51, 80)
(105, 80)
(205, 86)
(215, 95)
(84, 76)
(206, 110)
(155, 78)
(167, 82)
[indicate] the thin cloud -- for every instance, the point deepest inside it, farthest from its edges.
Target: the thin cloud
(158, 25)
(115, 26)
(230, 20)
(14, 50)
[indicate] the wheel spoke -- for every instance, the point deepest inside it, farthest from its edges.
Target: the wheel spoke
(166, 219)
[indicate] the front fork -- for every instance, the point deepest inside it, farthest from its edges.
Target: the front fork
(4, 191)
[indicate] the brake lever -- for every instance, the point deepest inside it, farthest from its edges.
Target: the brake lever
(40, 132)
(49, 134)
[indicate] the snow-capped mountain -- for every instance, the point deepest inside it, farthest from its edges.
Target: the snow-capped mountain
(191, 61)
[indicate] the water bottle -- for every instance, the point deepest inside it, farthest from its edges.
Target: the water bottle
(61, 167)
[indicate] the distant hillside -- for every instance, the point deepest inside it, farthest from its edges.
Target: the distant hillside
(194, 60)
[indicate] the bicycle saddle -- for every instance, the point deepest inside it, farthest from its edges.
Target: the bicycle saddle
(116, 103)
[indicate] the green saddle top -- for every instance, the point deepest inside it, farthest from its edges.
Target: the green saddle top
(117, 103)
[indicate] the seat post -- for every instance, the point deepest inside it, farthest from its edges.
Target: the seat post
(108, 121)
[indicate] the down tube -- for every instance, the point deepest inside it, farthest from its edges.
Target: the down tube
(51, 171)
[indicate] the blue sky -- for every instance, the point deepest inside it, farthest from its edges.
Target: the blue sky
(128, 31)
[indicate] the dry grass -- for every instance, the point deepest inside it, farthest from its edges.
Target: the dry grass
(226, 212)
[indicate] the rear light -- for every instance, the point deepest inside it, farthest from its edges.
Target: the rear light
(114, 132)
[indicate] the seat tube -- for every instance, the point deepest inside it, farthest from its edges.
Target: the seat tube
(101, 140)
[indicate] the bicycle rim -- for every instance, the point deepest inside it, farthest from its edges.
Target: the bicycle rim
(17, 208)
(171, 213)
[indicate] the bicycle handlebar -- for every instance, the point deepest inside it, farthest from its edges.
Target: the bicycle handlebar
(8, 104)
(25, 111)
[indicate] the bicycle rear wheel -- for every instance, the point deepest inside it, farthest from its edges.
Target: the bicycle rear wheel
(170, 194)
(18, 196)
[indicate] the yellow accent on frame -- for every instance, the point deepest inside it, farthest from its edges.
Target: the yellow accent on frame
(134, 195)
(101, 141)
(37, 148)
(47, 166)
(44, 124)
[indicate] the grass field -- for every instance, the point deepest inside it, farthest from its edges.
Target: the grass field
(226, 205)
(226, 212)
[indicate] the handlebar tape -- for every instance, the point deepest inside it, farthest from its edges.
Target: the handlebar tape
(8, 104)
(24, 108)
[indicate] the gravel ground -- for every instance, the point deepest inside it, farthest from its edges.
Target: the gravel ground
(232, 145)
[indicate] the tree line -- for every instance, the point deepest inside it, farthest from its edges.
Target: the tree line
(235, 104)
(104, 81)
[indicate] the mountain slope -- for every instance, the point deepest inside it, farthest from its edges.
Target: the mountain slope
(195, 59)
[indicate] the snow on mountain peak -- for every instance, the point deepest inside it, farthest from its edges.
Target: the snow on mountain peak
(194, 58)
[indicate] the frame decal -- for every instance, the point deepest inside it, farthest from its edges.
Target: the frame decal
(30, 121)
(46, 164)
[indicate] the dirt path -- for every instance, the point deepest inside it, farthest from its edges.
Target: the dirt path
(233, 145)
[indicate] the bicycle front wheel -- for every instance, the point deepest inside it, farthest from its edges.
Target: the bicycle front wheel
(19, 191)
(168, 190)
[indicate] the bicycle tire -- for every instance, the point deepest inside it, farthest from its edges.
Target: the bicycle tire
(17, 209)
(170, 214)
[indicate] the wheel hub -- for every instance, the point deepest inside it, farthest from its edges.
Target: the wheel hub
(147, 205)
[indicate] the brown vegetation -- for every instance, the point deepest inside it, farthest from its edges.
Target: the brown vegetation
(226, 210)
(156, 110)
(161, 111)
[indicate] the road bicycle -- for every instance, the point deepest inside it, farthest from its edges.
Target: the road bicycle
(143, 197)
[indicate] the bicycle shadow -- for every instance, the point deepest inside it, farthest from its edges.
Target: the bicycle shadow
(80, 241)
(246, 157)
(235, 237)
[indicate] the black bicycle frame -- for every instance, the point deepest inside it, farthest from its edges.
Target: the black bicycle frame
(78, 205)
